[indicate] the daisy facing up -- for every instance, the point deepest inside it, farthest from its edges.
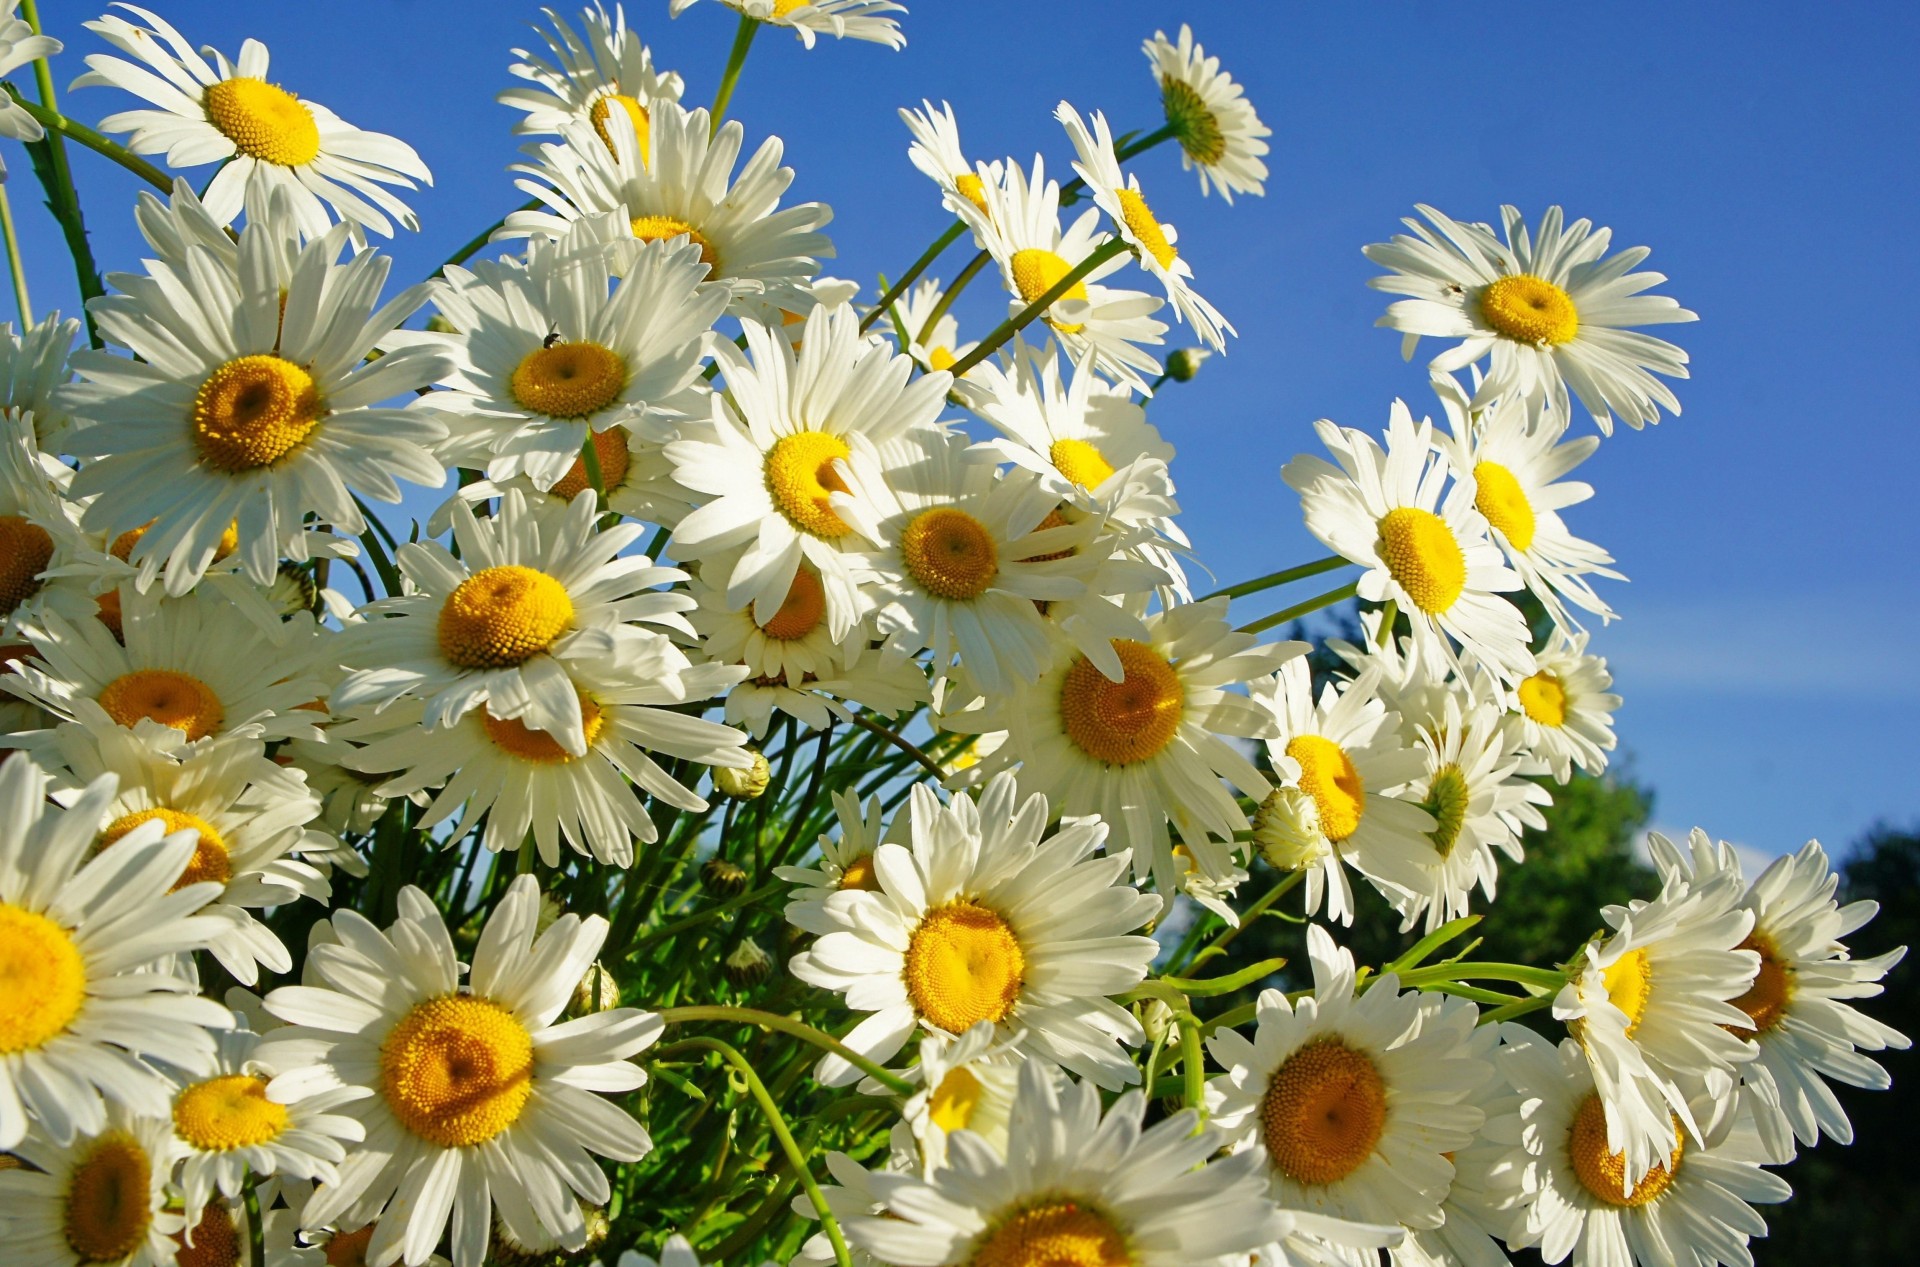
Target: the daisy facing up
(1551, 310)
(1211, 118)
(475, 1102)
(229, 110)
(1564, 709)
(933, 342)
(980, 919)
(809, 19)
(846, 862)
(96, 1199)
(598, 75)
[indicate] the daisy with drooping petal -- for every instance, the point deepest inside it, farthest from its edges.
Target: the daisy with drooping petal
(229, 112)
(83, 993)
(602, 75)
(936, 152)
(772, 470)
(842, 19)
(1075, 1187)
(33, 365)
(1211, 118)
(933, 342)
(980, 919)
(1573, 1193)
(1564, 709)
(476, 1103)
(846, 862)
(98, 1199)
(248, 404)
(1801, 1031)
(1153, 243)
(1383, 509)
(1551, 310)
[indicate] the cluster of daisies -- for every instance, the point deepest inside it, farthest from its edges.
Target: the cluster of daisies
(699, 498)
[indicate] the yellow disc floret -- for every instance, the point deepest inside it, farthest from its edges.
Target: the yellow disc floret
(109, 1199)
(122, 547)
(569, 380)
(660, 228)
(1498, 496)
(179, 700)
(25, 550)
(503, 616)
(209, 861)
(610, 450)
(216, 1242)
(1767, 998)
(1604, 1173)
(1424, 557)
(803, 610)
(1323, 1112)
(263, 121)
(1328, 775)
(43, 979)
(615, 105)
(1629, 982)
(1124, 722)
(1146, 230)
(801, 480)
(949, 553)
(1543, 699)
(963, 966)
(860, 874)
(538, 746)
(253, 411)
(1080, 462)
(952, 1104)
(1530, 310)
(973, 189)
(1053, 1234)
(457, 1070)
(1036, 271)
(228, 1112)
(1194, 125)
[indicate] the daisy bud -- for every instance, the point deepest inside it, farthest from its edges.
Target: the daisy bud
(1286, 828)
(294, 590)
(748, 965)
(597, 992)
(1183, 363)
(744, 785)
(1156, 1018)
(722, 878)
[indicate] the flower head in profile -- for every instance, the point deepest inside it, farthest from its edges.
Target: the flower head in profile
(95, 1199)
(1215, 124)
(810, 19)
(602, 74)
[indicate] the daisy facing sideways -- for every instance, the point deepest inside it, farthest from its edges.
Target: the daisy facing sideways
(1564, 708)
(809, 19)
(602, 75)
(97, 1198)
(1211, 118)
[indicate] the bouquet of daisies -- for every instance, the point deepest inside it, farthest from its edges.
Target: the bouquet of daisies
(782, 798)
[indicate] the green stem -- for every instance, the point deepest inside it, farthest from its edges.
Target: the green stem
(899, 741)
(1519, 1007)
(742, 41)
(480, 239)
(256, 1234)
(698, 918)
(389, 575)
(1193, 1071)
(1550, 979)
(798, 1029)
(1273, 580)
(912, 275)
(1020, 320)
(1206, 987)
(778, 1125)
(59, 125)
(945, 302)
(590, 458)
(1286, 885)
(1298, 610)
(14, 263)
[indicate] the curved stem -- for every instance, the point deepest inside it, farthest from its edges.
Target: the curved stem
(15, 264)
(1273, 580)
(1192, 1071)
(912, 275)
(787, 1025)
(1298, 610)
(742, 41)
(1287, 884)
(899, 741)
(59, 125)
(1519, 1007)
(1020, 320)
(945, 303)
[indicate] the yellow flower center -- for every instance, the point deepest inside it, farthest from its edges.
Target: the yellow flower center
(1498, 496)
(252, 412)
(25, 550)
(1194, 126)
(1423, 556)
(941, 359)
(801, 480)
(660, 228)
(569, 380)
(785, 8)
(606, 109)
(1447, 799)
(1054, 1234)
(953, 1102)
(1035, 272)
(805, 607)
(1327, 774)
(122, 547)
(179, 700)
(1146, 230)
(1543, 699)
(973, 189)
(216, 1242)
(108, 611)
(263, 121)
(859, 874)
(109, 1201)
(43, 979)
(523, 741)
(209, 861)
(1767, 998)
(349, 1249)
(963, 966)
(1081, 463)
(1323, 1112)
(1604, 1173)
(610, 450)
(457, 1070)
(1530, 310)
(503, 616)
(1124, 722)
(950, 553)
(228, 1112)
(1628, 982)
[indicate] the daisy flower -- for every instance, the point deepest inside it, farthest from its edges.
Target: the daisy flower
(248, 404)
(1098, 325)
(685, 187)
(842, 19)
(1075, 1186)
(1563, 708)
(1384, 511)
(846, 862)
(33, 366)
(1352, 1101)
(1574, 1193)
(1651, 1004)
(553, 350)
(979, 919)
(772, 470)
(1473, 1220)
(933, 343)
(84, 993)
(1801, 1032)
(1345, 753)
(966, 1084)
(230, 112)
(476, 1104)
(98, 1198)
(1211, 118)
(1153, 243)
(19, 45)
(936, 152)
(37, 534)
(1551, 311)
(536, 591)
(596, 75)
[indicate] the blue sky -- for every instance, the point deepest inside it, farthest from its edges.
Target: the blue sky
(1768, 650)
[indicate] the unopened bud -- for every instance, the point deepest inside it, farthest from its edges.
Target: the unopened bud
(1156, 1018)
(294, 590)
(1184, 363)
(597, 992)
(748, 965)
(747, 784)
(722, 878)
(1286, 830)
